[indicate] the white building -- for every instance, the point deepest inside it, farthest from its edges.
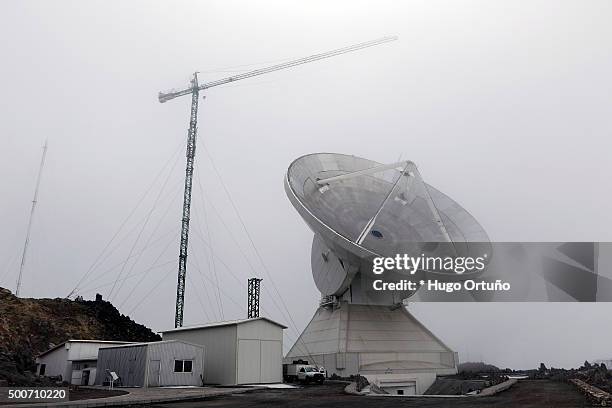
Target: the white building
(154, 364)
(74, 360)
(245, 351)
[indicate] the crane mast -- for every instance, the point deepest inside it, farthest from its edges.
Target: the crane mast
(191, 147)
(194, 89)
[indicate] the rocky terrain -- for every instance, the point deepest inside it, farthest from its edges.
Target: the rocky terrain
(594, 374)
(31, 326)
(478, 375)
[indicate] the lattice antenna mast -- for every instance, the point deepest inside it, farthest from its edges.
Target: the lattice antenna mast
(34, 202)
(194, 90)
(253, 298)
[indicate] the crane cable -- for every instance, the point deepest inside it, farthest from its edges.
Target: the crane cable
(96, 261)
(241, 283)
(212, 259)
(159, 222)
(269, 275)
(148, 217)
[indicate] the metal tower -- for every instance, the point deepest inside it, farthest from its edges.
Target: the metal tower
(191, 146)
(253, 298)
(194, 90)
(34, 202)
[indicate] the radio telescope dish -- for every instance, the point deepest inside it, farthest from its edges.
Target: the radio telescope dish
(360, 209)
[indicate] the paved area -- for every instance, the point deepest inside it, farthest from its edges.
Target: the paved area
(524, 394)
(145, 396)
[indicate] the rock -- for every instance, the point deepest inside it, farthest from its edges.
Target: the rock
(29, 326)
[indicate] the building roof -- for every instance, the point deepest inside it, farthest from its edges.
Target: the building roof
(226, 323)
(147, 343)
(82, 341)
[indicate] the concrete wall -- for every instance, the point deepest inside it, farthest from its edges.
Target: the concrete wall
(410, 383)
(363, 339)
(129, 362)
(342, 364)
(161, 358)
(220, 346)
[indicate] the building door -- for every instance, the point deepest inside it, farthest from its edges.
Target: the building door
(249, 361)
(85, 377)
(154, 369)
(271, 361)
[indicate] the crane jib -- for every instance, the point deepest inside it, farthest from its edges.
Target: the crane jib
(166, 96)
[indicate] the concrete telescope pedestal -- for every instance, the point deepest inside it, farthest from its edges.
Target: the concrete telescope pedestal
(349, 339)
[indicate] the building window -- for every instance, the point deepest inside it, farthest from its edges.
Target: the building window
(183, 366)
(42, 369)
(400, 392)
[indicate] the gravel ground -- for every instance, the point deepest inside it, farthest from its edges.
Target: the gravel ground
(525, 394)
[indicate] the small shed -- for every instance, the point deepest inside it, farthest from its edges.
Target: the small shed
(154, 364)
(73, 361)
(248, 351)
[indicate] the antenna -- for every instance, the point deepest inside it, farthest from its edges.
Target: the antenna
(34, 201)
(253, 298)
(194, 90)
(360, 210)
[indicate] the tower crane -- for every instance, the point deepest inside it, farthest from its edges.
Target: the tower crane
(194, 90)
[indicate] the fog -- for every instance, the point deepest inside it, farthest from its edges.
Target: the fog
(504, 106)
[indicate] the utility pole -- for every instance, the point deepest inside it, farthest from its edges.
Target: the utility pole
(27, 239)
(194, 90)
(253, 298)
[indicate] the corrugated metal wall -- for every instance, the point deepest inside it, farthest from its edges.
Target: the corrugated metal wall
(161, 359)
(128, 362)
(220, 351)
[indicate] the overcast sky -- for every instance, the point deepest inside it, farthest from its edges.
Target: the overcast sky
(504, 106)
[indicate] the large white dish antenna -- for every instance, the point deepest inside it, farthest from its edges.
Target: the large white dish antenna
(360, 209)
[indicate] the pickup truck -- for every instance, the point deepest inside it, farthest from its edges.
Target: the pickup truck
(305, 373)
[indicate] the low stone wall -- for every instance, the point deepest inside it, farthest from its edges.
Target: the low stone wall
(593, 394)
(497, 388)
